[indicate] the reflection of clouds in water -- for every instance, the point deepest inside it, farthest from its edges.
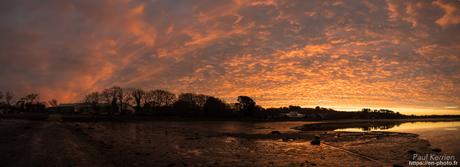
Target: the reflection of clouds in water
(428, 125)
(446, 138)
(395, 127)
(443, 135)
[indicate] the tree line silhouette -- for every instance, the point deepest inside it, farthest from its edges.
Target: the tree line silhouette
(117, 100)
(28, 103)
(135, 101)
(124, 101)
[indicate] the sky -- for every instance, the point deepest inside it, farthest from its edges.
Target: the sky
(401, 55)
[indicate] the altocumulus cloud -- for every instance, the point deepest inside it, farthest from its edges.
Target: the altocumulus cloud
(333, 53)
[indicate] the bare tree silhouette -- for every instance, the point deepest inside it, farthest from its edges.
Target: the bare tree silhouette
(159, 98)
(112, 95)
(53, 103)
(1, 96)
(30, 102)
(138, 95)
(125, 99)
(93, 99)
(197, 99)
(8, 98)
(31, 98)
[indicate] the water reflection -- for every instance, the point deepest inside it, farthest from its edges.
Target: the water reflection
(377, 126)
(357, 126)
(159, 143)
(443, 135)
(162, 142)
(403, 126)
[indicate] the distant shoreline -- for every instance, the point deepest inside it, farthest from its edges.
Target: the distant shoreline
(137, 118)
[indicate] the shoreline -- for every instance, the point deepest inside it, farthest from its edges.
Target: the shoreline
(137, 118)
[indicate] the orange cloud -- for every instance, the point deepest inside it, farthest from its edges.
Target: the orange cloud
(451, 14)
(388, 54)
(393, 12)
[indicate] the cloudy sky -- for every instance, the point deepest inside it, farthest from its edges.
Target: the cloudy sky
(402, 55)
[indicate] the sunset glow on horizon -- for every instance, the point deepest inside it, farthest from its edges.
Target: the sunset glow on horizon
(345, 55)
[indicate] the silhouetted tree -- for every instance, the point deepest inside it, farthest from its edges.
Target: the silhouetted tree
(53, 103)
(3, 105)
(30, 103)
(105, 97)
(93, 99)
(190, 103)
(20, 105)
(159, 98)
(247, 104)
(184, 107)
(317, 108)
(197, 99)
(113, 94)
(8, 97)
(31, 98)
(295, 108)
(366, 110)
(386, 111)
(125, 99)
(214, 106)
(138, 96)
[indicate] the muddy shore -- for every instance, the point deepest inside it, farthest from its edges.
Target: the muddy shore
(164, 143)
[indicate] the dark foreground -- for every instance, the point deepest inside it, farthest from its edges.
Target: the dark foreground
(165, 143)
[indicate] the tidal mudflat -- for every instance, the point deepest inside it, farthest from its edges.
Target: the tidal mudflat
(199, 143)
